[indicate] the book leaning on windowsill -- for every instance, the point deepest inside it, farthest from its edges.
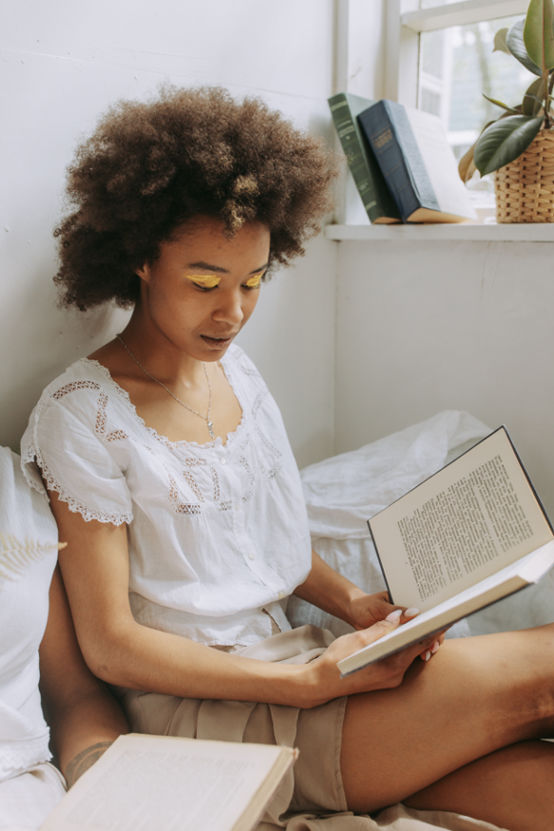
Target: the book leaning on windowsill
(467, 536)
(366, 173)
(417, 162)
(148, 783)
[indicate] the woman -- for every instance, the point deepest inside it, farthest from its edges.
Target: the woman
(84, 717)
(172, 481)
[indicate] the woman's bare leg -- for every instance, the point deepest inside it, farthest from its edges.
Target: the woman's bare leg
(475, 696)
(485, 788)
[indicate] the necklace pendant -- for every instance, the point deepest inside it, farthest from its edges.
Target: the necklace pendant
(210, 426)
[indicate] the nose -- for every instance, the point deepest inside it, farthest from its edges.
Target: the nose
(229, 308)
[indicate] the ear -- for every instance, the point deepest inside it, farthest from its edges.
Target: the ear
(144, 272)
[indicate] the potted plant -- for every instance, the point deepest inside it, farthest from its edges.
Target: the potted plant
(519, 145)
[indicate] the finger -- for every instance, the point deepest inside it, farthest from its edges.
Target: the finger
(382, 627)
(428, 653)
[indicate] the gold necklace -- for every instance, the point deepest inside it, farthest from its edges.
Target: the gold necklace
(206, 418)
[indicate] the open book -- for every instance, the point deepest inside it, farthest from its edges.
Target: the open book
(148, 783)
(469, 535)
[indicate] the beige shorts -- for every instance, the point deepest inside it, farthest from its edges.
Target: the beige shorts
(315, 782)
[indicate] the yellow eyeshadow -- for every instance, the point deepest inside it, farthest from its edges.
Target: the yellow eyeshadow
(206, 281)
(254, 281)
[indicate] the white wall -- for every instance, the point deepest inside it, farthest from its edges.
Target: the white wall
(429, 326)
(62, 64)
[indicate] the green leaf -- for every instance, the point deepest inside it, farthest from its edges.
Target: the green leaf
(538, 33)
(500, 44)
(504, 141)
(514, 42)
(533, 100)
(498, 103)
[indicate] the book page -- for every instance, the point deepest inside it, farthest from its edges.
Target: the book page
(461, 525)
(440, 164)
(145, 783)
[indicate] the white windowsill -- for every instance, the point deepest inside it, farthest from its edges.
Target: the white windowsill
(451, 232)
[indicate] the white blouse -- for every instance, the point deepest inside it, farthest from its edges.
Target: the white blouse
(28, 553)
(218, 533)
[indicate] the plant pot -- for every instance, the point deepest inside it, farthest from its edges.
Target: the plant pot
(524, 188)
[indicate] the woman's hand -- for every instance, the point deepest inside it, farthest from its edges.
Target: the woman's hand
(323, 677)
(367, 609)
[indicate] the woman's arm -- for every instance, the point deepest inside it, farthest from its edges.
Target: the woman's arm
(95, 567)
(84, 717)
(333, 593)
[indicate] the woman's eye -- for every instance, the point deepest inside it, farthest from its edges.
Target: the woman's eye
(254, 281)
(205, 282)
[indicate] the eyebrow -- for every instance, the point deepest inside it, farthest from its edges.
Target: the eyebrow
(218, 270)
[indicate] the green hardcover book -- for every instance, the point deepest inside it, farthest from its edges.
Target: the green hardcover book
(375, 195)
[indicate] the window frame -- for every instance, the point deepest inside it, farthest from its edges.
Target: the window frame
(405, 22)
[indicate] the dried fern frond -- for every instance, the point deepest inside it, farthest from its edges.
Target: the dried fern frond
(16, 554)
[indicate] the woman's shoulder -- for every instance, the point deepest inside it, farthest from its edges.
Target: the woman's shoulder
(75, 399)
(68, 441)
(75, 388)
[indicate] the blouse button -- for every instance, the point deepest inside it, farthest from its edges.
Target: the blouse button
(251, 556)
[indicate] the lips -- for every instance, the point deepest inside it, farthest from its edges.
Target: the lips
(218, 341)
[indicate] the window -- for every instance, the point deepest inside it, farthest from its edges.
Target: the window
(441, 60)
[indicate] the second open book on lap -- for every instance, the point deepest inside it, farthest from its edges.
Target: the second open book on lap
(472, 533)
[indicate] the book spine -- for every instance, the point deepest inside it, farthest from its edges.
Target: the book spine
(365, 171)
(391, 139)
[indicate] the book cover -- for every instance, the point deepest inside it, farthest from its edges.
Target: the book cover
(374, 192)
(467, 536)
(417, 162)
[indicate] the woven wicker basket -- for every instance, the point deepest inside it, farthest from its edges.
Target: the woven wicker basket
(525, 188)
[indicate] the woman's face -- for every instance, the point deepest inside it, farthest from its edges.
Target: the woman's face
(204, 286)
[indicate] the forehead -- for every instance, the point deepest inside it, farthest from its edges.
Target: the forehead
(205, 239)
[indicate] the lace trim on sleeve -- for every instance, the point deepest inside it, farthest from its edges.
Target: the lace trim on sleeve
(75, 505)
(34, 466)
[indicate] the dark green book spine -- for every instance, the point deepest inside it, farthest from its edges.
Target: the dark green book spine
(375, 195)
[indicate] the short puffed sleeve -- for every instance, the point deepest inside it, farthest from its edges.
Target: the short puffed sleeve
(63, 441)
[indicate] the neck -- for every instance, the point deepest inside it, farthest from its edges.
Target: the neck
(157, 354)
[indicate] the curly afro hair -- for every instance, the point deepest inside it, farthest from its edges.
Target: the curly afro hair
(150, 166)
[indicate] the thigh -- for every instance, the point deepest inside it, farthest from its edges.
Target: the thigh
(512, 787)
(474, 696)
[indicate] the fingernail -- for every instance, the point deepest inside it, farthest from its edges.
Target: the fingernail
(435, 647)
(394, 616)
(426, 656)
(411, 612)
